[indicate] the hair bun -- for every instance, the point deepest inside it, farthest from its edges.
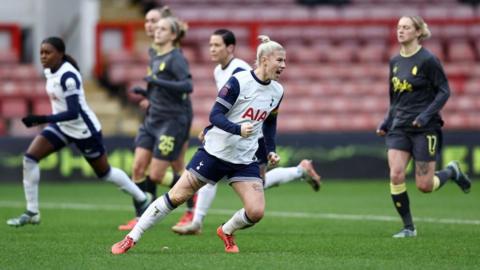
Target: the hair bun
(264, 38)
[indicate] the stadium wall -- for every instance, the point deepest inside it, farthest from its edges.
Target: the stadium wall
(359, 155)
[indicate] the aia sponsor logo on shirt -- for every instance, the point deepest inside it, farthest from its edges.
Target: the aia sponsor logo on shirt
(253, 114)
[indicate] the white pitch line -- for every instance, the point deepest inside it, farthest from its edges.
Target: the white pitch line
(334, 216)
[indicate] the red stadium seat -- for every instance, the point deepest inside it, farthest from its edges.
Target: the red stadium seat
(347, 35)
(477, 46)
(474, 120)
(462, 12)
(203, 105)
(317, 36)
(448, 11)
(18, 129)
(456, 120)
(460, 51)
(13, 107)
(3, 127)
(247, 13)
(293, 123)
(202, 72)
(456, 85)
(9, 88)
(465, 104)
(323, 122)
(38, 89)
(192, 13)
(436, 12)
(246, 54)
(342, 53)
(117, 57)
(450, 32)
(293, 13)
(303, 54)
(121, 74)
(204, 89)
(435, 46)
(8, 57)
(360, 121)
(460, 70)
(41, 106)
(200, 121)
(354, 12)
(382, 12)
(191, 54)
(472, 87)
(375, 32)
(25, 72)
(285, 35)
(374, 52)
(373, 105)
(325, 12)
(199, 36)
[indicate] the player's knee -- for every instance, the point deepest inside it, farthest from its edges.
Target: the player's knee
(255, 214)
(157, 177)
(178, 197)
(397, 175)
(424, 186)
(138, 171)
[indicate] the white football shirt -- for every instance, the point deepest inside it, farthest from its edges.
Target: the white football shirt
(248, 100)
(67, 81)
(222, 75)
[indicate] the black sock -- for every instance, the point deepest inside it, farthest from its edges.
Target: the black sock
(402, 204)
(151, 187)
(137, 205)
(449, 172)
(443, 176)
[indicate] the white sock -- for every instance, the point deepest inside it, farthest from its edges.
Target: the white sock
(121, 179)
(157, 210)
(279, 176)
(238, 221)
(205, 198)
(31, 178)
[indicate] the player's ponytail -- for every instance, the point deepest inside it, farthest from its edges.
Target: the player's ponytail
(71, 60)
(59, 45)
(266, 47)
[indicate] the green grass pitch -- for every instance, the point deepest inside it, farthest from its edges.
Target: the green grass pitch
(347, 225)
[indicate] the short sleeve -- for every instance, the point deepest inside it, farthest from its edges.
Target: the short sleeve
(70, 83)
(228, 94)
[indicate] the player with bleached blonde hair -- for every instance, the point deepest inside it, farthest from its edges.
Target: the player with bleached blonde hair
(248, 102)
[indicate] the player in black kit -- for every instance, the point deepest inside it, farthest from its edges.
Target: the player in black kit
(412, 126)
(163, 137)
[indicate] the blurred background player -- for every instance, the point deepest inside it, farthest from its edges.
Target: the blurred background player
(72, 121)
(248, 102)
(162, 139)
(222, 46)
(418, 91)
